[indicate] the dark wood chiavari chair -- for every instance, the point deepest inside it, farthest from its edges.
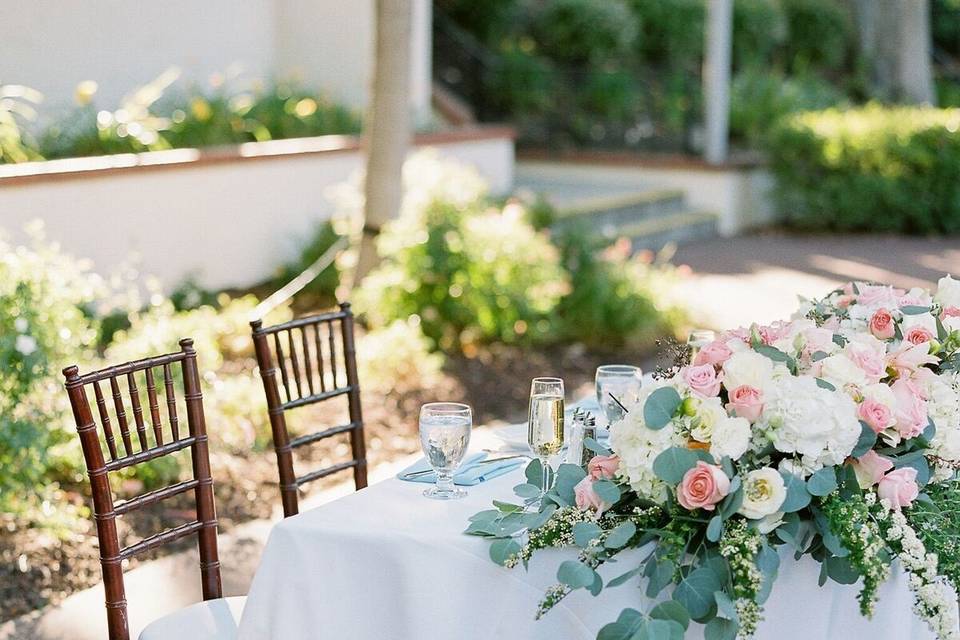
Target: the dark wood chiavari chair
(280, 349)
(212, 618)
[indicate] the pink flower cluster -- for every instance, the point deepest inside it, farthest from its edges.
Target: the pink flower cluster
(599, 468)
(898, 487)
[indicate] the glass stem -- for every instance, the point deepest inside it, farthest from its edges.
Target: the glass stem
(444, 481)
(544, 477)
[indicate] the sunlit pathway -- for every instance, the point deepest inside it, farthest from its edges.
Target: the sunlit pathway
(757, 278)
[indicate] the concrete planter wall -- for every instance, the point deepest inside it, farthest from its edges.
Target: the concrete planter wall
(228, 215)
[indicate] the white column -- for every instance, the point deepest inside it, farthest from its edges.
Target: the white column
(716, 79)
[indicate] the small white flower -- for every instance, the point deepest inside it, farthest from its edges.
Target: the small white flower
(25, 344)
(21, 325)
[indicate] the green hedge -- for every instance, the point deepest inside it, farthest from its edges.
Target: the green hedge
(894, 169)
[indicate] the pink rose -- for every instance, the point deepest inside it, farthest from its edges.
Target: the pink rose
(871, 294)
(845, 300)
(870, 468)
(702, 379)
(703, 487)
(773, 332)
(876, 414)
(587, 498)
(911, 408)
(715, 353)
(746, 402)
(918, 335)
(899, 487)
(603, 467)
(950, 312)
(881, 325)
(868, 361)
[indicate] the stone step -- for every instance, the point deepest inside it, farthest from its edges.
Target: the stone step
(677, 228)
(620, 209)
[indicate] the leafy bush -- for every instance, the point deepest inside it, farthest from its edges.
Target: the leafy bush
(583, 31)
(470, 274)
(759, 98)
(821, 35)
(467, 273)
(874, 168)
(15, 110)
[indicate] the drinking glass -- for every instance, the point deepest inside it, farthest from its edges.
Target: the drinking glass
(698, 339)
(617, 382)
(444, 436)
(545, 424)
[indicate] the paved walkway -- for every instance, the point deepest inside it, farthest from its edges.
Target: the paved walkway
(757, 278)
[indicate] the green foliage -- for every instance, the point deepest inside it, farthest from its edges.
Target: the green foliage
(821, 34)
(583, 31)
(760, 98)
(15, 110)
(472, 274)
(160, 115)
(872, 168)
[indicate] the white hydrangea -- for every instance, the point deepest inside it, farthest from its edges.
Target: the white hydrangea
(943, 406)
(731, 438)
(638, 446)
(840, 371)
(819, 425)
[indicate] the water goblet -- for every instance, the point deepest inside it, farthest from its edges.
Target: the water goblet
(616, 385)
(698, 339)
(444, 437)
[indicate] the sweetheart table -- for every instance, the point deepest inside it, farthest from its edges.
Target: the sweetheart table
(386, 563)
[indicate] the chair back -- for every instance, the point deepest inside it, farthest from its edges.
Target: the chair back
(315, 361)
(106, 451)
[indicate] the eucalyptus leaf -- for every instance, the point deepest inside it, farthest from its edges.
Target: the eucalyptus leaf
(768, 562)
(596, 447)
(661, 630)
(527, 490)
(534, 473)
(629, 622)
(507, 507)
(659, 574)
(727, 465)
(734, 499)
(797, 495)
(502, 549)
(818, 356)
(584, 532)
(917, 462)
(725, 606)
(536, 520)
(868, 438)
(914, 310)
(823, 384)
(840, 570)
(822, 482)
(715, 528)
(721, 629)
(660, 407)
(575, 574)
(620, 535)
(624, 577)
(607, 491)
(671, 610)
(568, 475)
(671, 465)
(695, 592)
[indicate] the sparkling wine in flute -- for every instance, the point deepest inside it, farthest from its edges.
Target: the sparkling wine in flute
(545, 427)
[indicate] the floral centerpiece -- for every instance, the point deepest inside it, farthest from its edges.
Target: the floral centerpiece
(835, 434)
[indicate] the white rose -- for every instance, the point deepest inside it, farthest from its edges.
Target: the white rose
(710, 412)
(747, 368)
(948, 292)
(731, 438)
(763, 493)
(881, 393)
(839, 370)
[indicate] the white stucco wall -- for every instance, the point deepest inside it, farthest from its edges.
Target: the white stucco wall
(52, 45)
(231, 223)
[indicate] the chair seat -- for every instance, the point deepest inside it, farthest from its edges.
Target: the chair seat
(208, 620)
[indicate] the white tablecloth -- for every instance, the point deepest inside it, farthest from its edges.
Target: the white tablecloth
(388, 564)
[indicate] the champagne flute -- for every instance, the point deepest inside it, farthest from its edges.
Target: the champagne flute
(617, 382)
(698, 339)
(545, 425)
(444, 437)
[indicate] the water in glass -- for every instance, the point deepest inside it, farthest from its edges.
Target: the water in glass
(620, 381)
(698, 340)
(444, 437)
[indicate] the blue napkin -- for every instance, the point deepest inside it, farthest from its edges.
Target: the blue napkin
(469, 473)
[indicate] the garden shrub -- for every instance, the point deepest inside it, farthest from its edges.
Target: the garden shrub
(467, 273)
(893, 169)
(324, 286)
(583, 31)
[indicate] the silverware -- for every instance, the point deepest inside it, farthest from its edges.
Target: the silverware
(417, 474)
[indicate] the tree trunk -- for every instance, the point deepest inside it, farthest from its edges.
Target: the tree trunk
(895, 38)
(388, 125)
